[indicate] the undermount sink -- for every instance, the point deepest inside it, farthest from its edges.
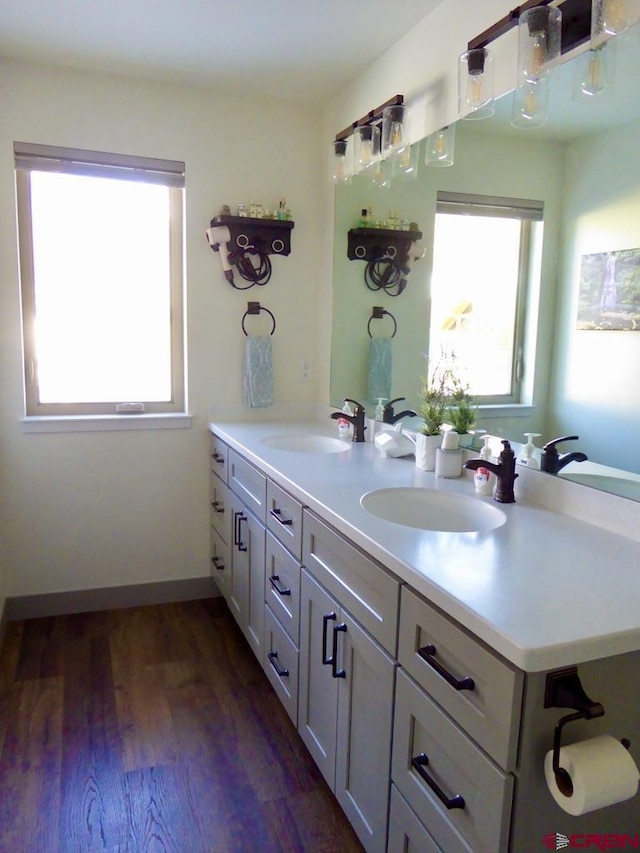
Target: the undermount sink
(307, 443)
(431, 509)
(616, 485)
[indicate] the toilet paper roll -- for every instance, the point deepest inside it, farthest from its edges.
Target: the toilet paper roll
(602, 772)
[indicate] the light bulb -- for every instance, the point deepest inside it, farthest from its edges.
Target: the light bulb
(537, 56)
(475, 84)
(614, 16)
(393, 118)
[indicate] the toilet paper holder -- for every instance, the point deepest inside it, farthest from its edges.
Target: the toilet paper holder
(563, 689)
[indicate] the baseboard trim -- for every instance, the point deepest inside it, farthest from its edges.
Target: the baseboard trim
(106, 598)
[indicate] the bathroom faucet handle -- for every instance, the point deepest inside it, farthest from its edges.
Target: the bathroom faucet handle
(551, 445)
(359, 407)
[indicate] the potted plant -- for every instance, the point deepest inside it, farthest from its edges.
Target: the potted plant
(461, 411)
(434, 398)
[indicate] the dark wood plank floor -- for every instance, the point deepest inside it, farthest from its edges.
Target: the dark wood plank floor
(152, 729)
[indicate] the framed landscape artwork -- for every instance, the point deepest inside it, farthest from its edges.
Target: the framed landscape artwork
(609, 297)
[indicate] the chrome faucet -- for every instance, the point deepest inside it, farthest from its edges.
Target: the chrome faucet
(390, 417)
(357, 419)
(550, 459)
(505, 471)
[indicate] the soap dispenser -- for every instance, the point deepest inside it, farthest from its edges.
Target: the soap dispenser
(379, 413)
(344, 426)
(528, 456)
(483, 479)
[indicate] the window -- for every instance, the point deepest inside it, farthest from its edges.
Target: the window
(481, 261)
(102, 281)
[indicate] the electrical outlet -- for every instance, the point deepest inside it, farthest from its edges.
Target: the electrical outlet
(305, 371)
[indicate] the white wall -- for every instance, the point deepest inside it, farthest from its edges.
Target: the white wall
(101, 509)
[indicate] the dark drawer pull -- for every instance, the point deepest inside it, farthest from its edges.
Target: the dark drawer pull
(273, 660)
(277, 514)
(217, 507)
(217, 458)
(239, 517)
(419, 763)
(427, 653)
(274, 580)
(216, 562)
(326, 660)
(335, 672)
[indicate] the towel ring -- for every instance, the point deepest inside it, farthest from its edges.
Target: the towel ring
(256, 308)
(377, 314)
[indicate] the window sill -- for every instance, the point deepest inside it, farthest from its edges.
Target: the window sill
(506, 410)
(105, 423)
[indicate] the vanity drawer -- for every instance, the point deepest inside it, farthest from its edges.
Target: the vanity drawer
(220, 562)
(442, 657)
(367, 591)
(282, 587)
(427, 745)
(219, 457)
(249, 484)
(406, 833)
(220, 513)
(281, 664)
(284, 518)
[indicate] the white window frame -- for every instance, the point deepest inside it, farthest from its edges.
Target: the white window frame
(32, 157)
(528, 211)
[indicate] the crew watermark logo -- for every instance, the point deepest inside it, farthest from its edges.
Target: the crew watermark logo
(555, 841)
(610, 841)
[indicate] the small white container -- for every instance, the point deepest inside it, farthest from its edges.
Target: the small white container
(449, 457)
(484, 480)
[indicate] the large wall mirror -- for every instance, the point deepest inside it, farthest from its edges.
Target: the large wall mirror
(584, 165)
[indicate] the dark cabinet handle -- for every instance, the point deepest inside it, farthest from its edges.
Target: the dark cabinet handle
(335, 672)
(328, 617)
(274, 580)
(427, 653)
(419, 763)
(217, 458)
(273, 660)
(239, 517)
(217, 507)
(277, 514)
(216, 562)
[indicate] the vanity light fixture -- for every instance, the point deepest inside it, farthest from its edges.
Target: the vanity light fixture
(404, 163)
(365, 145)
(341, 161)
(440, 147)
(612, 17)
(475, 84)
(366, 139)
(593, 72)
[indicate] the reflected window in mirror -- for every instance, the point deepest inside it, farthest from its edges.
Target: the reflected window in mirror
(482, 257)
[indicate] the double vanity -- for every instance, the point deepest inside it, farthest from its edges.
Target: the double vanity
(408, 626)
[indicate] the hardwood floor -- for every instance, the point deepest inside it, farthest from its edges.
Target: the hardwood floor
(152, 729)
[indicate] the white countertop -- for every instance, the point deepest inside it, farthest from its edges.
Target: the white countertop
(544, 590)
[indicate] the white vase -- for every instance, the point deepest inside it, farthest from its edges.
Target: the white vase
(426, 446)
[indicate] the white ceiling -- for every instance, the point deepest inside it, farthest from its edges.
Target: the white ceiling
(297, 50)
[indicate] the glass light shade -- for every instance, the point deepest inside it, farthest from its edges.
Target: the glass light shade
(404, 163)
(440, 147)
(366, 146)
(612, 17)
(393, 129)
(530, 104)
(593, 73)
(341, 161)
(475, 84)
(539, 40)
(380, 174)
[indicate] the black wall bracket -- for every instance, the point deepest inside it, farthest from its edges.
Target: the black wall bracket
(371, 244)
(272, 234)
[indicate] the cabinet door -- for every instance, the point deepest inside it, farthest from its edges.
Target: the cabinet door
(220, 562)
(406, 833)
(247, 597)
(365, 720)
(318, 691)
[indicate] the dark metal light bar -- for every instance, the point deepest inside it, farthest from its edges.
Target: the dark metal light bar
(372, 117)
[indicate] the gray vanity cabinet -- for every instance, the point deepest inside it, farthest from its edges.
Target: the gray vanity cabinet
(345, 709)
